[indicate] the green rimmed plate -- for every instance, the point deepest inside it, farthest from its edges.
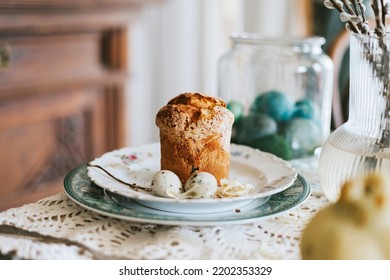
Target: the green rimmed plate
(81, 190)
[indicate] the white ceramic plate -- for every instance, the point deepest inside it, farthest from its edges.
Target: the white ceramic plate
(131, 203)
(80, 189)
(136, 165)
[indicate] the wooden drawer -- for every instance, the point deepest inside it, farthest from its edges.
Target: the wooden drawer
(42, 138)
(55, 59)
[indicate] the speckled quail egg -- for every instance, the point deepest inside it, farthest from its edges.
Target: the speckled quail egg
(165, 183)
(200, 185)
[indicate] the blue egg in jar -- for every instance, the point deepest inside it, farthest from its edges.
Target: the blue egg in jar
(307, 109)
(303, 135)
(275, 104)
(279, 90)
(255, 126)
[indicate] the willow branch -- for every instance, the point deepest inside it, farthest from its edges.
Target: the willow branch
(339, 8)
(380, 15)
(384, 12)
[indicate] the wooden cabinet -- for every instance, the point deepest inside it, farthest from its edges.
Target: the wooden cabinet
(62, 83)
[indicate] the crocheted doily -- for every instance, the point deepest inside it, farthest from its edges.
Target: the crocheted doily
(92, 235)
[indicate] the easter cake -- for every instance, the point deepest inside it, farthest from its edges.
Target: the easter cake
(195, 131)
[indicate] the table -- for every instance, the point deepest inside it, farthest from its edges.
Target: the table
(68, 231)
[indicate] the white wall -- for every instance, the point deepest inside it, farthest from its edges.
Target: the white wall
(175, 47)
(275, 17)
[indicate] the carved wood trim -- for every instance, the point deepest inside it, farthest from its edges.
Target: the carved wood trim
(70, 149)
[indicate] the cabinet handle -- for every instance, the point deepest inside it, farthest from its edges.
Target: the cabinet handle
(5, 56)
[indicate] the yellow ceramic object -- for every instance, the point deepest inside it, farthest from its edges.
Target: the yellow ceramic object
(357, 226)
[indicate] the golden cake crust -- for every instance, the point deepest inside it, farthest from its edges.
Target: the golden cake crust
(195, 131)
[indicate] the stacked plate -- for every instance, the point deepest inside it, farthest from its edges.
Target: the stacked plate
(277, 188)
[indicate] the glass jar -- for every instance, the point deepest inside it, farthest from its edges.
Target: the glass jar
(280, 92)
(362, 144)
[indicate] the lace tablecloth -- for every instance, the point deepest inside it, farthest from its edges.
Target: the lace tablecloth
(68, 231)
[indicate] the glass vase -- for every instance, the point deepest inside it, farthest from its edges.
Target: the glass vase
(361, 145)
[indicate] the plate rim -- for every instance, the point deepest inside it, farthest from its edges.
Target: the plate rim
(290, 178)
(67, 182)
